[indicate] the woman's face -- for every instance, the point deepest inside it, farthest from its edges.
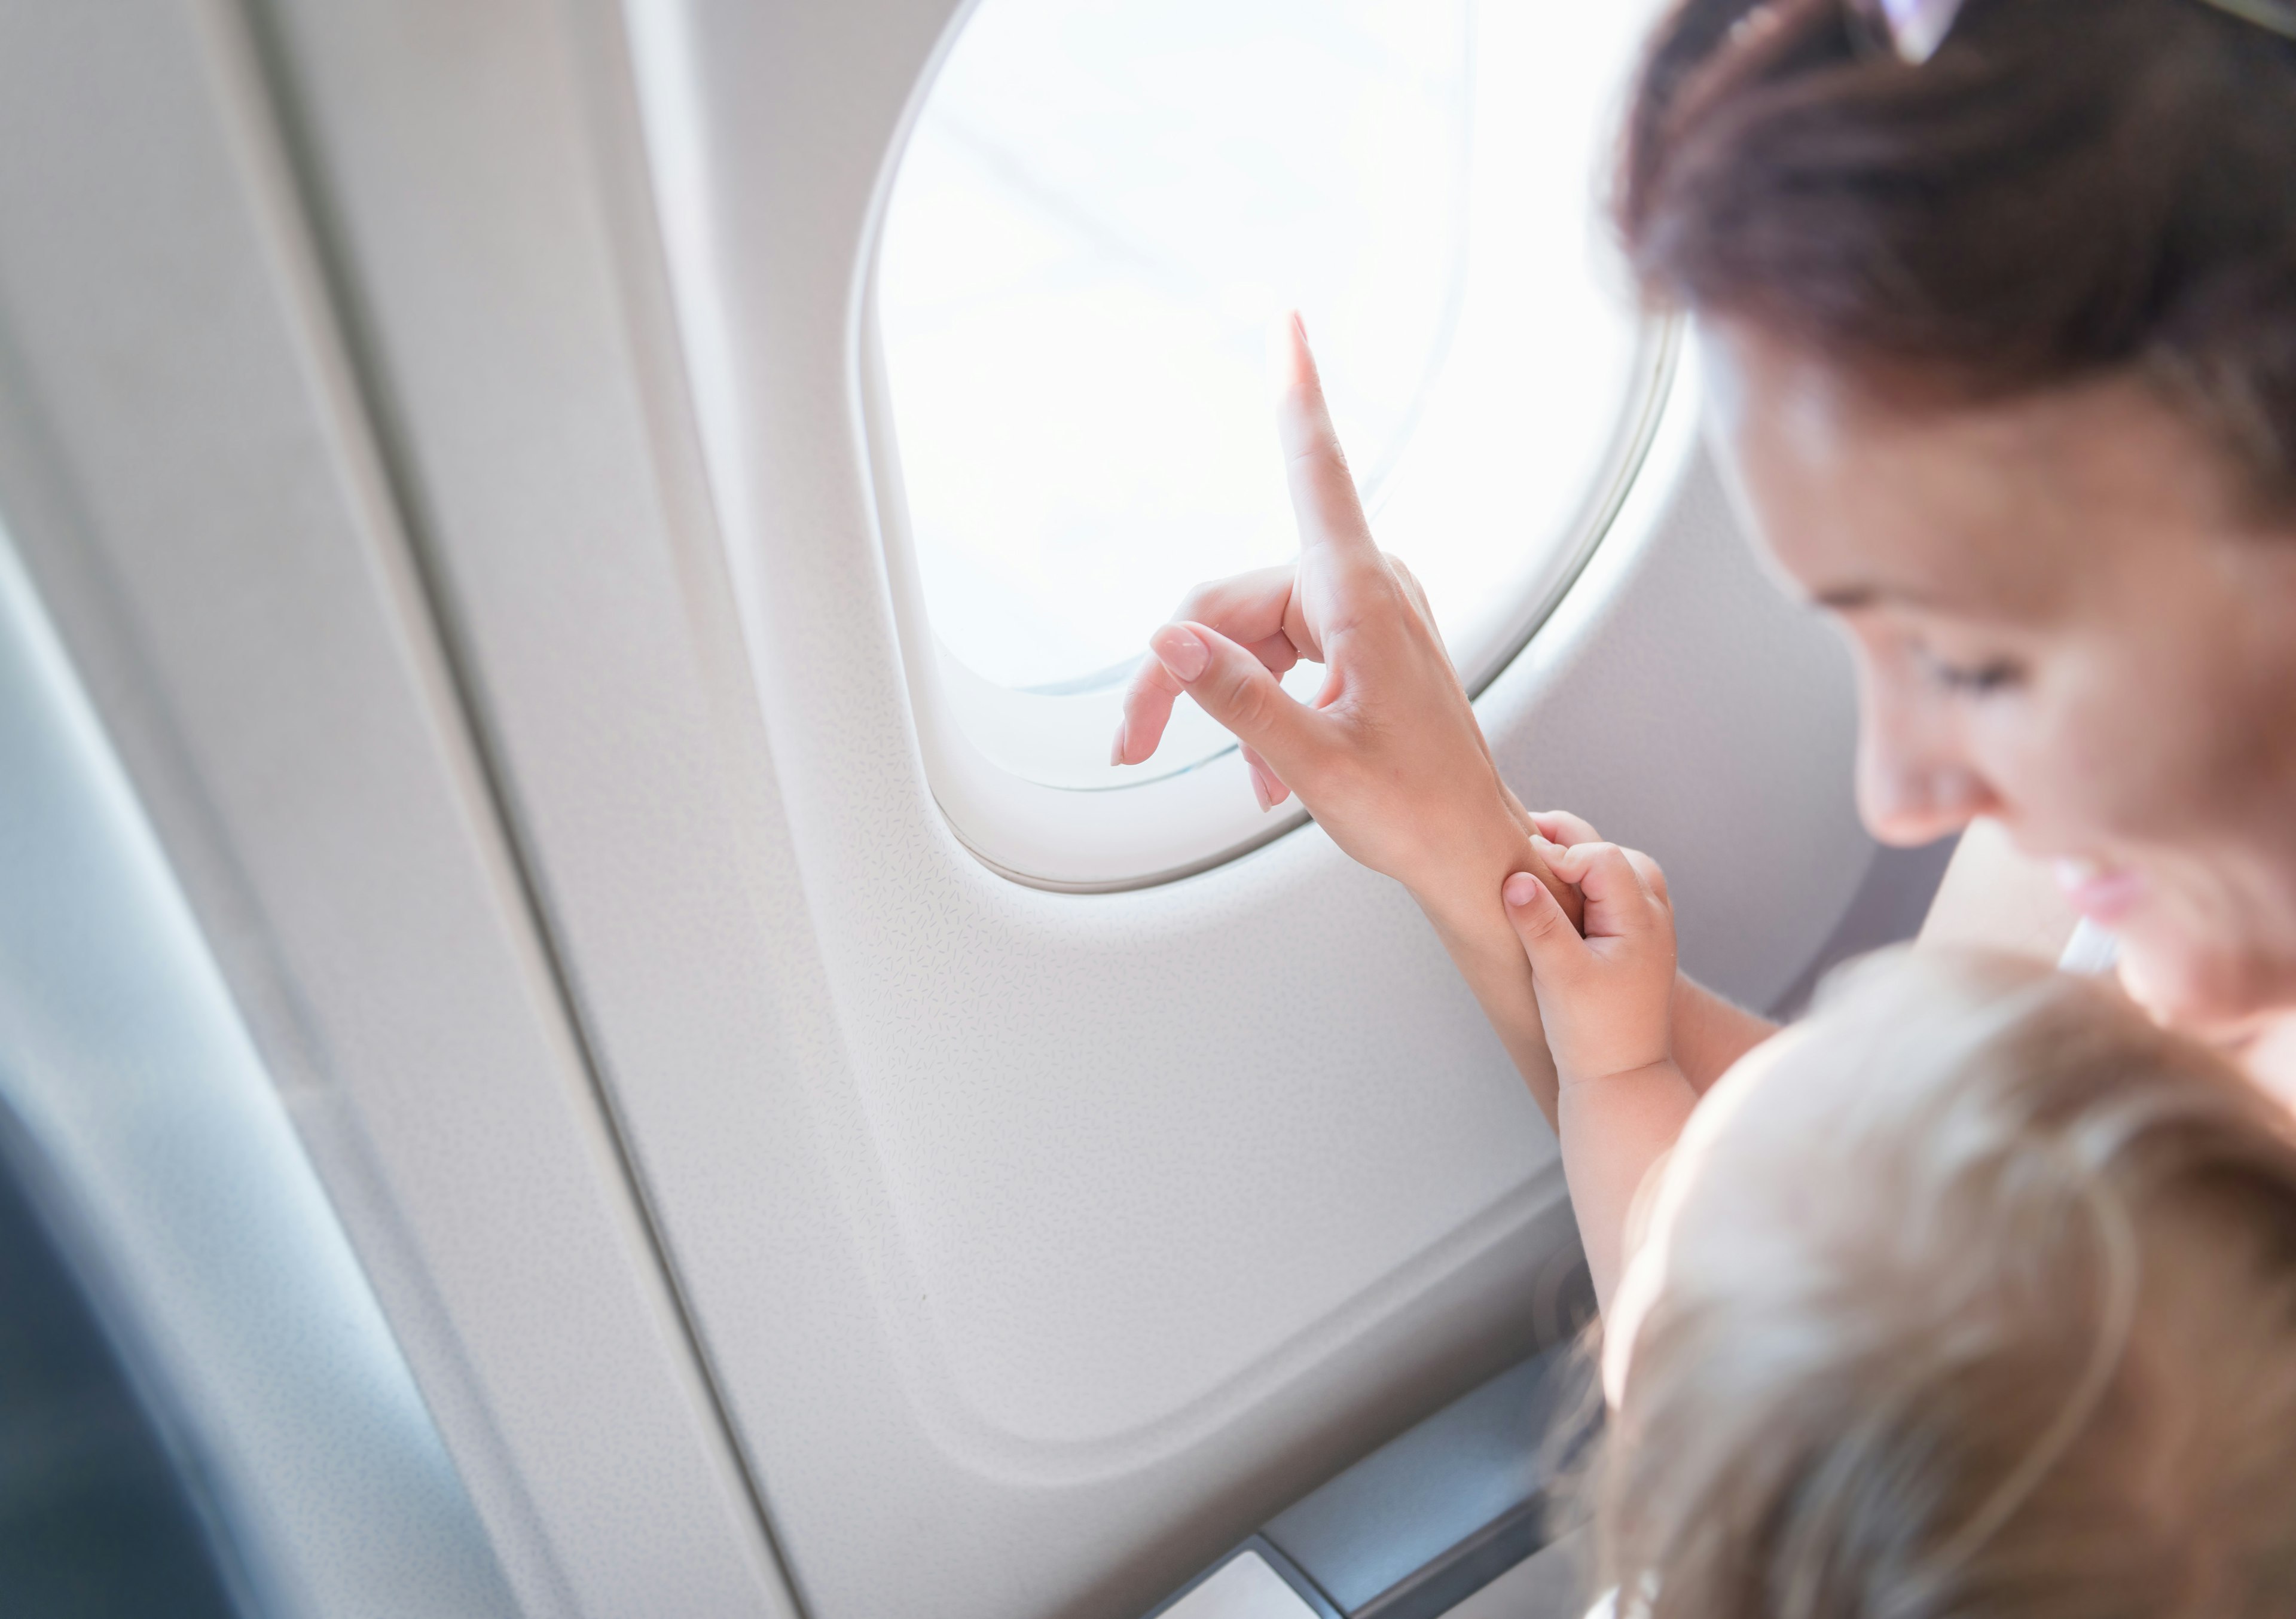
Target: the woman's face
(2061, 618)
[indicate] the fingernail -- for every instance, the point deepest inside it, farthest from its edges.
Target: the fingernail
(1260, 791)
(1282, 368)
(1180, 649)
(1116, 753)
(1287, 340)
(1521, 889)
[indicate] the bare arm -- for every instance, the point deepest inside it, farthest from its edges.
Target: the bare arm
(1996, 898)
(1711, 1034)
(1483, 946)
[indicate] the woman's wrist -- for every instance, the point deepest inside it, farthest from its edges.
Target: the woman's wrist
(1458, 884)
(1470, 918)
(1484, 838)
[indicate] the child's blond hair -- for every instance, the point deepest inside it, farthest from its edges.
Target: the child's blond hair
(1981, 1303)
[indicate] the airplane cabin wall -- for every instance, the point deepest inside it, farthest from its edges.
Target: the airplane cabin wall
(1024, 1248)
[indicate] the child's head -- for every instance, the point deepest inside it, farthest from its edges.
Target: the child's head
(1975, 1296)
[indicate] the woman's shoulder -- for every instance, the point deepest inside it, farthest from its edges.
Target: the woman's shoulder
(1995, 898)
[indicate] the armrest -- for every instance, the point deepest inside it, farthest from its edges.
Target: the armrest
(1428, 1518)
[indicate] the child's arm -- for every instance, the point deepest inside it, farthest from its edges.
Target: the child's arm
(1711, 1033)
(1606, 1001)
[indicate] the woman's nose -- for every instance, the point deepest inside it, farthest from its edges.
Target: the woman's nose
(1911, 790)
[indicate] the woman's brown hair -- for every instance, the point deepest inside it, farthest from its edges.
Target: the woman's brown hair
(2070, 189)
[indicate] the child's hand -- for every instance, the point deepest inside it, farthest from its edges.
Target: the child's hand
(1605, 998)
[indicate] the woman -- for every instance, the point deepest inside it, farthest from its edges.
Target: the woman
(1999, 315)
(2000, 336)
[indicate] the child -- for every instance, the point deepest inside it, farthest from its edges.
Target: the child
(1972, 1294)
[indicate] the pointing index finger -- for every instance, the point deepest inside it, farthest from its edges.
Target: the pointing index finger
(1322, 490)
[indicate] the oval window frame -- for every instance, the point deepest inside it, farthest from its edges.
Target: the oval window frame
(976, 737)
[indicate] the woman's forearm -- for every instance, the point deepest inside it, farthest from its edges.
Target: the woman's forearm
(1488, 956)
(1710, 1032)
(1471, 919)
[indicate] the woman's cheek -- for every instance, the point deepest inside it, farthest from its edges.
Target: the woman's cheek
(2065, 755)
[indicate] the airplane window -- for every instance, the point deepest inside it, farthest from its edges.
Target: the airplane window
(202, 1409)
(96, 1517)
(1101, 211)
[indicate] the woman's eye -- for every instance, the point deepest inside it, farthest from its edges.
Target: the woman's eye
(1973, 679)
(1981, 678)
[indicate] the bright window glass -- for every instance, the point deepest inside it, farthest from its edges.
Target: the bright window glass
(1104, 208)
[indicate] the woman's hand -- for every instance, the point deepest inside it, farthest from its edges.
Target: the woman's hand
(1606, 999)
(1389, 759)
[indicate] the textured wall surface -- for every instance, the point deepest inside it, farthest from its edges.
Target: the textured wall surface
(199, 1237)
(542, 762)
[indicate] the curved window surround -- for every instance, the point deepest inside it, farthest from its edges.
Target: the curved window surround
(1099, 214)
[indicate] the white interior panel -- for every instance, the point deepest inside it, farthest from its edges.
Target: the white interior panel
(192, 485)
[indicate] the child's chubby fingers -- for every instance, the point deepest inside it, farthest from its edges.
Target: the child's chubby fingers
(1549, 938)
(1618, 900)
(1652, 878)
(1562, 828)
